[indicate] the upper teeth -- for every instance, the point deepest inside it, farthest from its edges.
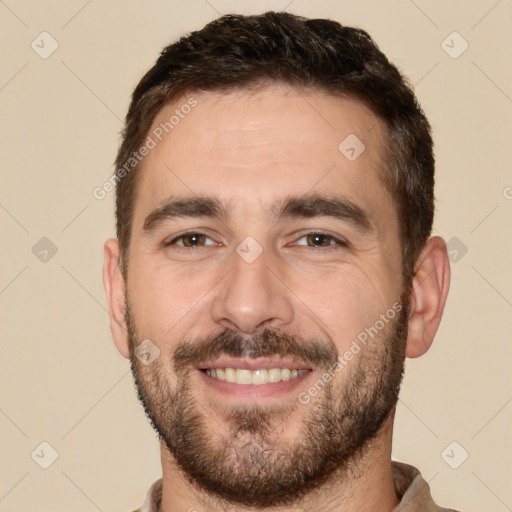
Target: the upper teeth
(244, 376)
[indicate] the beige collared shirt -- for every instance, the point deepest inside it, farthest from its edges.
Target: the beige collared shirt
(411, 488)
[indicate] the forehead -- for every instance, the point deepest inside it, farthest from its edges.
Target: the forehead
(249, 147)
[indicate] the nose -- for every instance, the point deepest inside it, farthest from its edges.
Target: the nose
(252, 297)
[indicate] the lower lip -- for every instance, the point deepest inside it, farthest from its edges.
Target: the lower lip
(253, 391)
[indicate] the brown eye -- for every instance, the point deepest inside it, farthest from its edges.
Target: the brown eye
(317, 239)
(193, 239)
(190, 240)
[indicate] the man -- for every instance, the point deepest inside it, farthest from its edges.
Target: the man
(273, 266)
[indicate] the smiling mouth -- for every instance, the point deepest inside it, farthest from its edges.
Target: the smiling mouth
(256, 377)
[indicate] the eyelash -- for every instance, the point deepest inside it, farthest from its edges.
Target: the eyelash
(338, 242)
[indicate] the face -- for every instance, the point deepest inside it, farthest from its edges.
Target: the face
(265, 271)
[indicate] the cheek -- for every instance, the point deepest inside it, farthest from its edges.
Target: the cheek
(166, 300)
(348, 301)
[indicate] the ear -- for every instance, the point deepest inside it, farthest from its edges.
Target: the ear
(430, 286)
(115, 288)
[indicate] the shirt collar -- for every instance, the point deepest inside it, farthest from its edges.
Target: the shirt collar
(410, 487)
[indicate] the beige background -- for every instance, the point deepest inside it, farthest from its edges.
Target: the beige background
(63, 382)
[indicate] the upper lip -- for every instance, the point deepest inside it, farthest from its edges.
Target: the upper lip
(253, 364)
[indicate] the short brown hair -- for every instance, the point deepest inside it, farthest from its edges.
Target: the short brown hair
(239, 52)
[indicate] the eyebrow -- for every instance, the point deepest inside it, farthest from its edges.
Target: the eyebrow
(291, 207)
(321, 206)
(184, 207)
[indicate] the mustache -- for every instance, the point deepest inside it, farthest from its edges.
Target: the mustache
(265, 344)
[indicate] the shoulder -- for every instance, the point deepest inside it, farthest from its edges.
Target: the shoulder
(413, 490)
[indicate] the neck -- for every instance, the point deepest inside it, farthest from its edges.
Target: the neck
(367, 485)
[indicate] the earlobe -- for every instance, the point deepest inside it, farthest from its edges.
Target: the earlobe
(115, 288)
(430, 286)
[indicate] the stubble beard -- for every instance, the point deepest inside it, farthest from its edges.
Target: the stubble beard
(241, 454)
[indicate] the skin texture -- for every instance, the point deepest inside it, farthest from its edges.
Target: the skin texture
(250, 150)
